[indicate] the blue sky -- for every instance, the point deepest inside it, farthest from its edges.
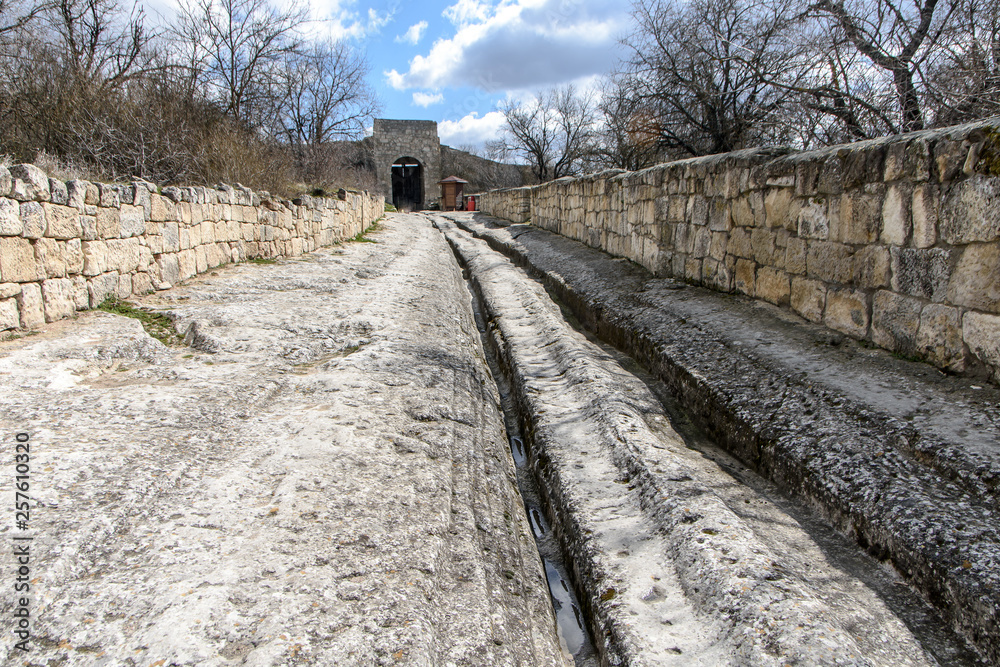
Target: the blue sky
(453, 61)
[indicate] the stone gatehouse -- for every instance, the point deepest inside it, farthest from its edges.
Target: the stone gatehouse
(407, 161)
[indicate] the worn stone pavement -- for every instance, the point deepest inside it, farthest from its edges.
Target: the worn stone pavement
(320, 477)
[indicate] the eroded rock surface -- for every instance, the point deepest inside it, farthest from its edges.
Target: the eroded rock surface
(893, 454)
(320, 477)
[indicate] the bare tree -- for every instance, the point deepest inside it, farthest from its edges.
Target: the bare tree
(896, 36)
(553, 132)
(628, 138)
(16, 15)
(236, 47)
(963, 76)
(705, 72)
(321, 96)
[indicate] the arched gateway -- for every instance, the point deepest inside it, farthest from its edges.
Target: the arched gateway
(408, 160)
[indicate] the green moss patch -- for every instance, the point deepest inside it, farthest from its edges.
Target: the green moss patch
(157, 324)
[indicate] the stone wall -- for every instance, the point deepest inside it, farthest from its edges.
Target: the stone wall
(895, 241)
(512, 204)
(68, 246)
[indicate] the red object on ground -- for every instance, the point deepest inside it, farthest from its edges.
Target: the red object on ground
(471, 204)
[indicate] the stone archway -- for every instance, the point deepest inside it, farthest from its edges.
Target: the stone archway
(413, 140)
(407, 184)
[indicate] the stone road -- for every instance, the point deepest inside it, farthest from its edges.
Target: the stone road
(321, 475)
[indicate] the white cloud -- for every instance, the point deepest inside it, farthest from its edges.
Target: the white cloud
(466, 11)
(427, 99)
(471, 129)
(519, 44)
(412, 34)
(336, 20)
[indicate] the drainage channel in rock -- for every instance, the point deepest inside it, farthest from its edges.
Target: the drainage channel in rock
(566, 608)
(755, 499)
(675, 560)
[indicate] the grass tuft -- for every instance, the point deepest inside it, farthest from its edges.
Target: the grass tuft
(157, 324)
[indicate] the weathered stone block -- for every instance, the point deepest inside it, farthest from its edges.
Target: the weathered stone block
(939, 338)
(76, 194)
(170, 269)
(50, 257)
(10, 218)
(73, 252)
(32, 220)
(814, 222)
(8, 290)
(88, 225)
(142, 284)
(830, 262)
(860, 217)
(739, 243)
(123, 255)
(31, 306)
(93, 196)
(925, 215)
(896, 215)
(908, 160)
(795, 255)
(808, 298)
(95, 257)
(780, 208)
(762, 242)
(720, 240)
(29, 183)
(719, 218)
(976, 280)
(745, 278)
(981, 333)
(5, 182)
(101, 287)
(872, 267)
(145, 258)
(109, 224)
(692, 268)
(702, 242)
(132, 220)
(110, 195)
(58, 194)
(921, 272)
(970, 211)
(124, 288)
(58, 295)
(10, 318)
(171, 237)
(17, 260)
(895, 321)
(772, 286)
(162, 209)
(62, 222)
(847, 312)
(863, 165)
(81, 294)
(187, 263)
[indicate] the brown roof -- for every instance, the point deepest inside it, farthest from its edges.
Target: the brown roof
(452, 179)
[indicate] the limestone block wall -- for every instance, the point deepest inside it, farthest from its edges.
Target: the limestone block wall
(67, 246)
(512, 204)
(895, 241)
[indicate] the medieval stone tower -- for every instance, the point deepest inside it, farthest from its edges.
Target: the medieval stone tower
(407, 161)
